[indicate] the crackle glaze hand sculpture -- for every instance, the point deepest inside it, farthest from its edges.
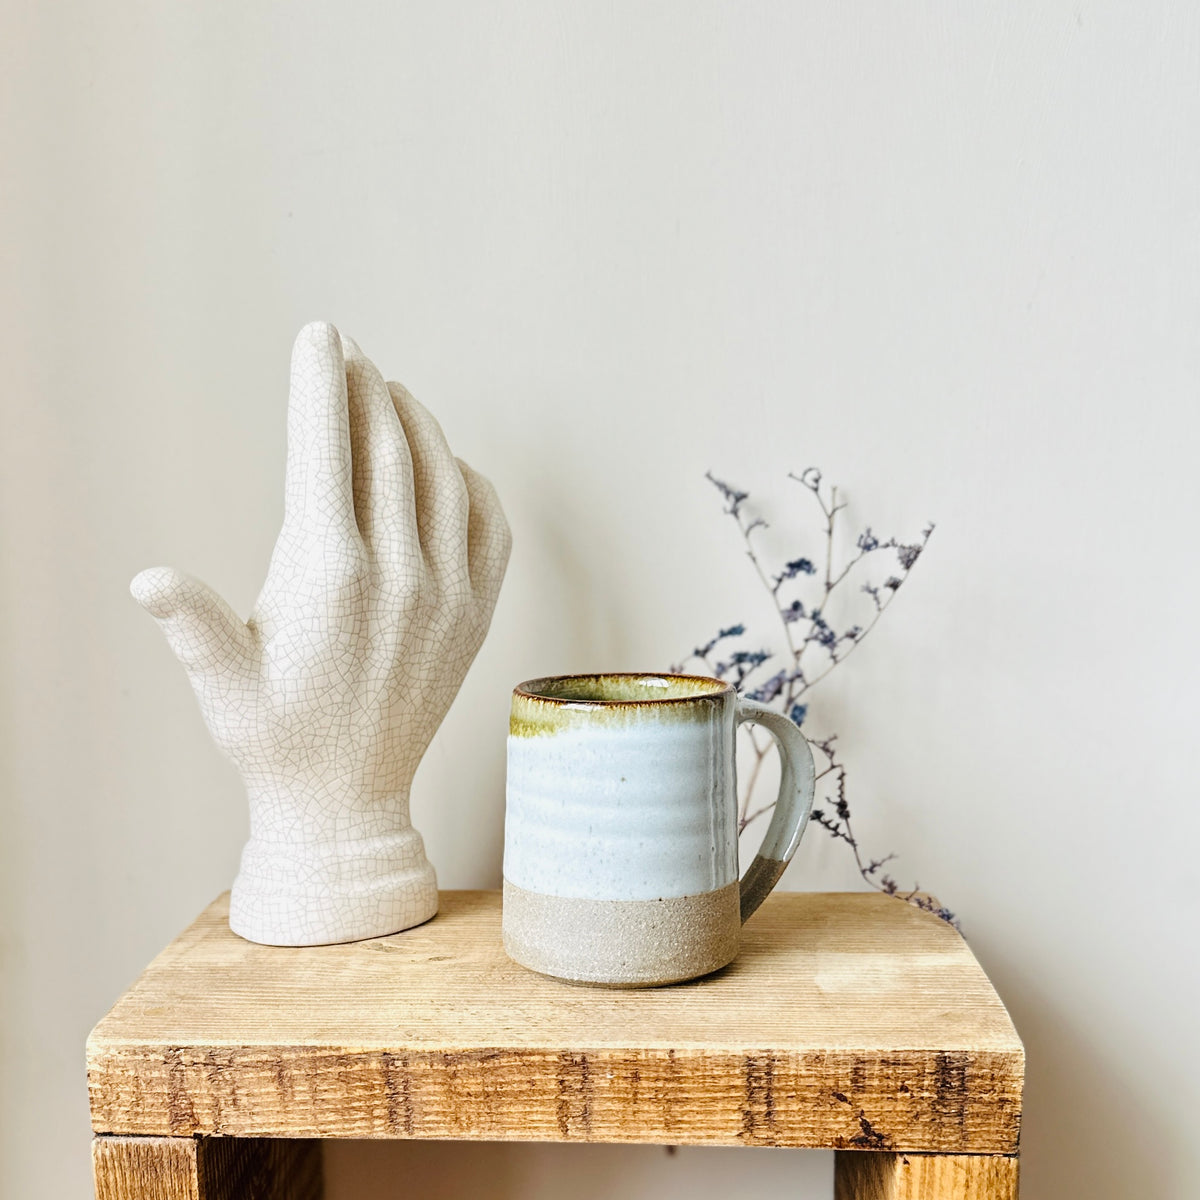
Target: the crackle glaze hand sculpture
(378, 595)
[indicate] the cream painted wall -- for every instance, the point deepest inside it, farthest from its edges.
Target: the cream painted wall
(948, 252)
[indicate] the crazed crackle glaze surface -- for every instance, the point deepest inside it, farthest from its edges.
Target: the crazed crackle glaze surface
(378, 595)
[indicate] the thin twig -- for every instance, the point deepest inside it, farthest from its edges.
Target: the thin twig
(786, 687)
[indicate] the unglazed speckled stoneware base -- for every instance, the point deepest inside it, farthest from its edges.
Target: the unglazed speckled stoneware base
(620, 850)
(622, 943)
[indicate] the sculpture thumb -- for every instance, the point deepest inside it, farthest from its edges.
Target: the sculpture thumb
(203, 631)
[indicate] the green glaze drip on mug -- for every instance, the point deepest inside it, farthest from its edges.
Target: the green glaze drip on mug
(544, 707)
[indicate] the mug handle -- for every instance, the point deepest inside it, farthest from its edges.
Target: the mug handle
(797, 784)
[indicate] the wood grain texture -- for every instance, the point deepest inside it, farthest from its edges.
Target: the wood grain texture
(153, 1168)
(180, 1168)
(848, 1020)
(863, 1176)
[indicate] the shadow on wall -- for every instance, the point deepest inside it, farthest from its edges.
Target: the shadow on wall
(572, 576)
(1085, 1131)
(514, 1171)
(559, 611)
(593, 610)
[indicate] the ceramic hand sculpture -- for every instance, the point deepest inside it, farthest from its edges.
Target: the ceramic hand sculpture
(378, 595)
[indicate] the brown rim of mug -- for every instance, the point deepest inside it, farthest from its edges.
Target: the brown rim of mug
(528, 689)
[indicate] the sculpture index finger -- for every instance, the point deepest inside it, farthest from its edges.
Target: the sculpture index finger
(319, 494)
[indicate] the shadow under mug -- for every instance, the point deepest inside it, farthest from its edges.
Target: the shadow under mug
(620, 830)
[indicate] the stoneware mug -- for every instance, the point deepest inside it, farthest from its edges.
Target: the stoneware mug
(620, 834)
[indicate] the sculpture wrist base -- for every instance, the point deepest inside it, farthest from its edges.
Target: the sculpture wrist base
(342, 891)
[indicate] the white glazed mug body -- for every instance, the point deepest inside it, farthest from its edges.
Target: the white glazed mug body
(621, 855)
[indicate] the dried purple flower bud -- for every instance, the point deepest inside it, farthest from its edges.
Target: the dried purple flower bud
(798, 566)
(769, 690)
(733, 496)
(794, 612)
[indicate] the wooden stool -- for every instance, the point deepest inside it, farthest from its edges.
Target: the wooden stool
(848, 1022)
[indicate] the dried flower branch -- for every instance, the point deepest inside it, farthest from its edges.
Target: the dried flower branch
(802, 591)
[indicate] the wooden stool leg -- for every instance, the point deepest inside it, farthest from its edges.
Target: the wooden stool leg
(875, 1175)
(178, 1168)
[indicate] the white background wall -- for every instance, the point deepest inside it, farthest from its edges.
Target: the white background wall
(947, 252)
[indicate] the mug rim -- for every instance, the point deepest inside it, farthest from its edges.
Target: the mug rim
(528, 689)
